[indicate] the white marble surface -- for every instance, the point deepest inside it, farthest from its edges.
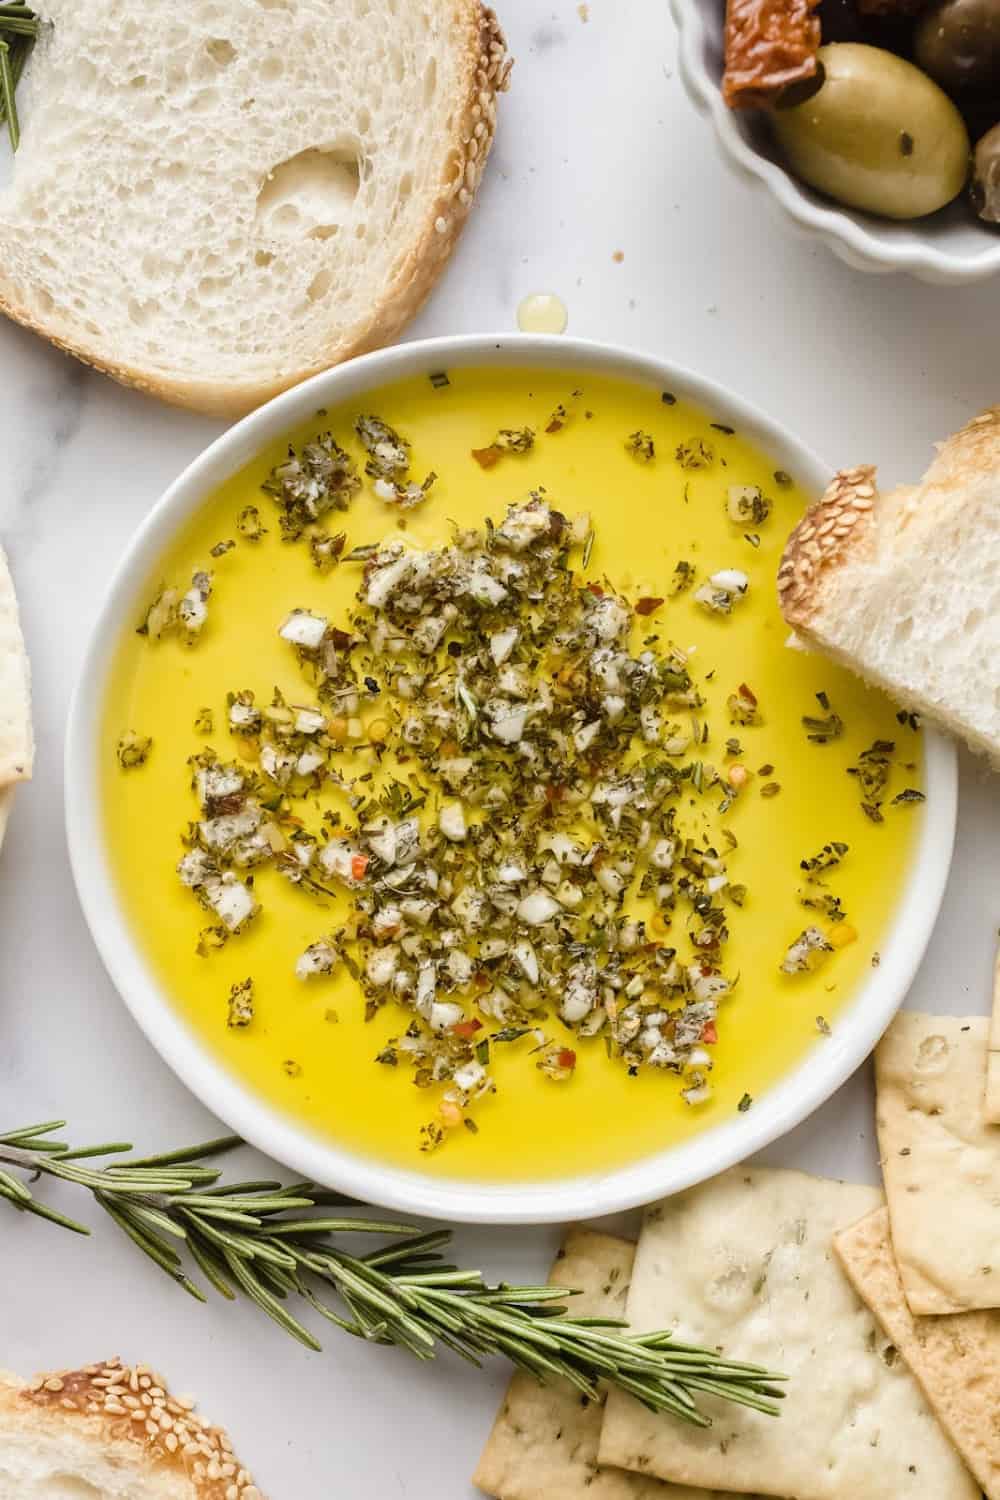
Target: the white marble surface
(599, 152)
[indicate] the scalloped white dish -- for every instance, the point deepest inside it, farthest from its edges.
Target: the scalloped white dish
(948, 247)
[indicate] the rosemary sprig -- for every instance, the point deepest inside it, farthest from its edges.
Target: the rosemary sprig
(18, 30)
(273, 1243)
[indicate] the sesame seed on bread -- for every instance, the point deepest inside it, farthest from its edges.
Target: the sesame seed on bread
(903, 587)
(822, 538)
(117, 1429)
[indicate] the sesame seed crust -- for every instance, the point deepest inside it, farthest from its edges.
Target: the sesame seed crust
(114, 1403)
(832, 525)
(847, 515)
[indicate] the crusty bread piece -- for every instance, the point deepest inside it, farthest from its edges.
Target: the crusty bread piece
(115, 1433)
(904, 588)
(17, 741)
(6, 797)
(215, 200)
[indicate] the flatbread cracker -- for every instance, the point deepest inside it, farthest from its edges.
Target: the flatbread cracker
(745, 1262)
(956, 1359)
(991, 1101)
(940, 1161)
(17, 747)
(544, 1442)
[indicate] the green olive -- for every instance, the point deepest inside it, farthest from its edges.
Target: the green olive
(958, 44)
(878, 135)
(985, 185)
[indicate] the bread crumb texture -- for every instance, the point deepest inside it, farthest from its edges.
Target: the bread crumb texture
(117, 1429)
(217, 200)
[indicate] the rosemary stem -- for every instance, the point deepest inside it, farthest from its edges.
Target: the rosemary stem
(272, 1244)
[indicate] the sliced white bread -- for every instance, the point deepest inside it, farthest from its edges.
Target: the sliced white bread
(113, 1433)
(6, 797)
(214, 200)
(904, 588)
(17, 742)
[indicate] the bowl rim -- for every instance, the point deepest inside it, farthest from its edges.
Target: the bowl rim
(587, 1195)
(860, 238)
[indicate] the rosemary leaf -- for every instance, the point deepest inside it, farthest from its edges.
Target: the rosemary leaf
(262, 1241)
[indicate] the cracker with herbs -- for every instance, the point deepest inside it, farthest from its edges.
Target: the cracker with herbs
(940, 1160)
(955, 1359)
(544, 1441)
(746, 1261)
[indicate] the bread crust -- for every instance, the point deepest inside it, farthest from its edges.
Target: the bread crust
(486, 73)
(833, 527)
(845, 520)
(6, 798)
(129, 1414)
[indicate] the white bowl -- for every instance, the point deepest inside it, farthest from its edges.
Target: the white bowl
(949, 246)
(802, 1091)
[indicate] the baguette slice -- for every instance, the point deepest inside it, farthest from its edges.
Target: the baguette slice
(6, 797)
(904, 588)
(75, 1433)
(17, 740)
(214, 200)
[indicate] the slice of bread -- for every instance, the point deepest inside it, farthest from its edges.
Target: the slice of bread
(904, 588)
(214, 200)
(113, 1433)
(17, 740)
(6, 797)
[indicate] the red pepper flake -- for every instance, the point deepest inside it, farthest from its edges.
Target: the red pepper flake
(709, 1033)
(647, 606)
(466, 1029)
(748, 693)
(359, 864)
(566, 1057)
(487, 458)
(596, 590)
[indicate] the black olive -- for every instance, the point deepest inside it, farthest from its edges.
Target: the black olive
(985, 186)
(958, 44)
(842, 21)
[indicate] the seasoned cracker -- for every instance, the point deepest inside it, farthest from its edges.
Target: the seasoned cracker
(940, 1160)
(955, 1359)
(544, 1442)
(991, 1098)
(745, 1262)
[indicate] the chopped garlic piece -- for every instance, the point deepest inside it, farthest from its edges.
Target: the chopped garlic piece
(808, 950)
(451, 821)
(319, 958)
(502, 643)
(537, 907)
(232, 901)
(304, 629)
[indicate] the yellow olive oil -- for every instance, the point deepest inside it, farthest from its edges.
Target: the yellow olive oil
(309, 1050)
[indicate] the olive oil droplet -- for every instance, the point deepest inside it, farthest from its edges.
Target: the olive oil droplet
(542, 312)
